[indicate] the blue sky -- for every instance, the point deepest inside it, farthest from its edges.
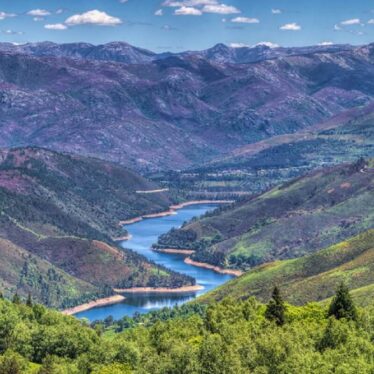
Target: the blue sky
(162, 25)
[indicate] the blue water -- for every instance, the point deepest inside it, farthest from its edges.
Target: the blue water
(144, 234)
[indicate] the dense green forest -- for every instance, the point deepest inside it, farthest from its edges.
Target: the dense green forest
(226, 337)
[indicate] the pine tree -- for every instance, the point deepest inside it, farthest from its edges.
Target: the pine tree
(342, 305)
(275, 310)
(16, 299)
(29, 301)
(1, 295)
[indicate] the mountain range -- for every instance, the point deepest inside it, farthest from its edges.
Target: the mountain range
(172, 111)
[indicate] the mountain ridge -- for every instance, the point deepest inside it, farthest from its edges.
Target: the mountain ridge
(195, 107)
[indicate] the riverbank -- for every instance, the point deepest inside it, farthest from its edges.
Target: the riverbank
(152, 215)
(187, 252)
(172, 210)
(195, 202)
(185, 289)
(169, 212)
(94, 304)
(189, 261)
(123, 238)
(236, 273)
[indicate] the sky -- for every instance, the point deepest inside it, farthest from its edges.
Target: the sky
(172, 25)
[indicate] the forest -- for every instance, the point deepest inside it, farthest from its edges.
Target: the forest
(226, 337)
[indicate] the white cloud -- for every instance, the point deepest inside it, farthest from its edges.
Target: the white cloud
(39, 13)
(337, 28)
(245, 20)
(12, 32)
(187, 11)
(4, 15)
(276, 11)
(123, 1)
(159, 12)
(291, 27)
(239, 45)
(193, 3)
(38, 19)
(371, 21)
(93, 17)
(325, 43)
(197, 7)
(267, 44)
(220, 9)
(55, 26)
(350, 22)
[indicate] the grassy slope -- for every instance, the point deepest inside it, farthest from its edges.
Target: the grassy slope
(64, 210)
(23, 272)
(310, 278)
(90, 191)
(296, 218)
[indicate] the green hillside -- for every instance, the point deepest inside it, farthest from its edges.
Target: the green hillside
(26, 273)
(231, 337)
(310, 278)
(58, 215)
(291, 220)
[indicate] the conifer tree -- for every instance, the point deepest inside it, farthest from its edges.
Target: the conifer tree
(29, 301)
(1, 295)
(16, 299)
(275, 310)
(342, 305)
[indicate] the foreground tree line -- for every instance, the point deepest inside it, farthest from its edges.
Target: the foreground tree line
(226, 337)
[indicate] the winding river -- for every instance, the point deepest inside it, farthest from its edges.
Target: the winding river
(144, 234)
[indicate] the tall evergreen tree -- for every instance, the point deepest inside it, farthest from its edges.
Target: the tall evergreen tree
(16, 299)
(29, 301)
(342, 305)
(275, 310)
(1, 295)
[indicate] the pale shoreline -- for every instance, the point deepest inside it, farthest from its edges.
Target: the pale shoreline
(185, 289)
(123, 238)
(195, 202)
(236, 273)
(172, 210)
(94, 304)
(187, 252)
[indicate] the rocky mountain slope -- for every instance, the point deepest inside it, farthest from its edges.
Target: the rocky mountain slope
(291, 220)
(172, 111)
(58, 216)
(257, 167)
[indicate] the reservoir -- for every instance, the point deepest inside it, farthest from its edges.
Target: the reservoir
(143, 235)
